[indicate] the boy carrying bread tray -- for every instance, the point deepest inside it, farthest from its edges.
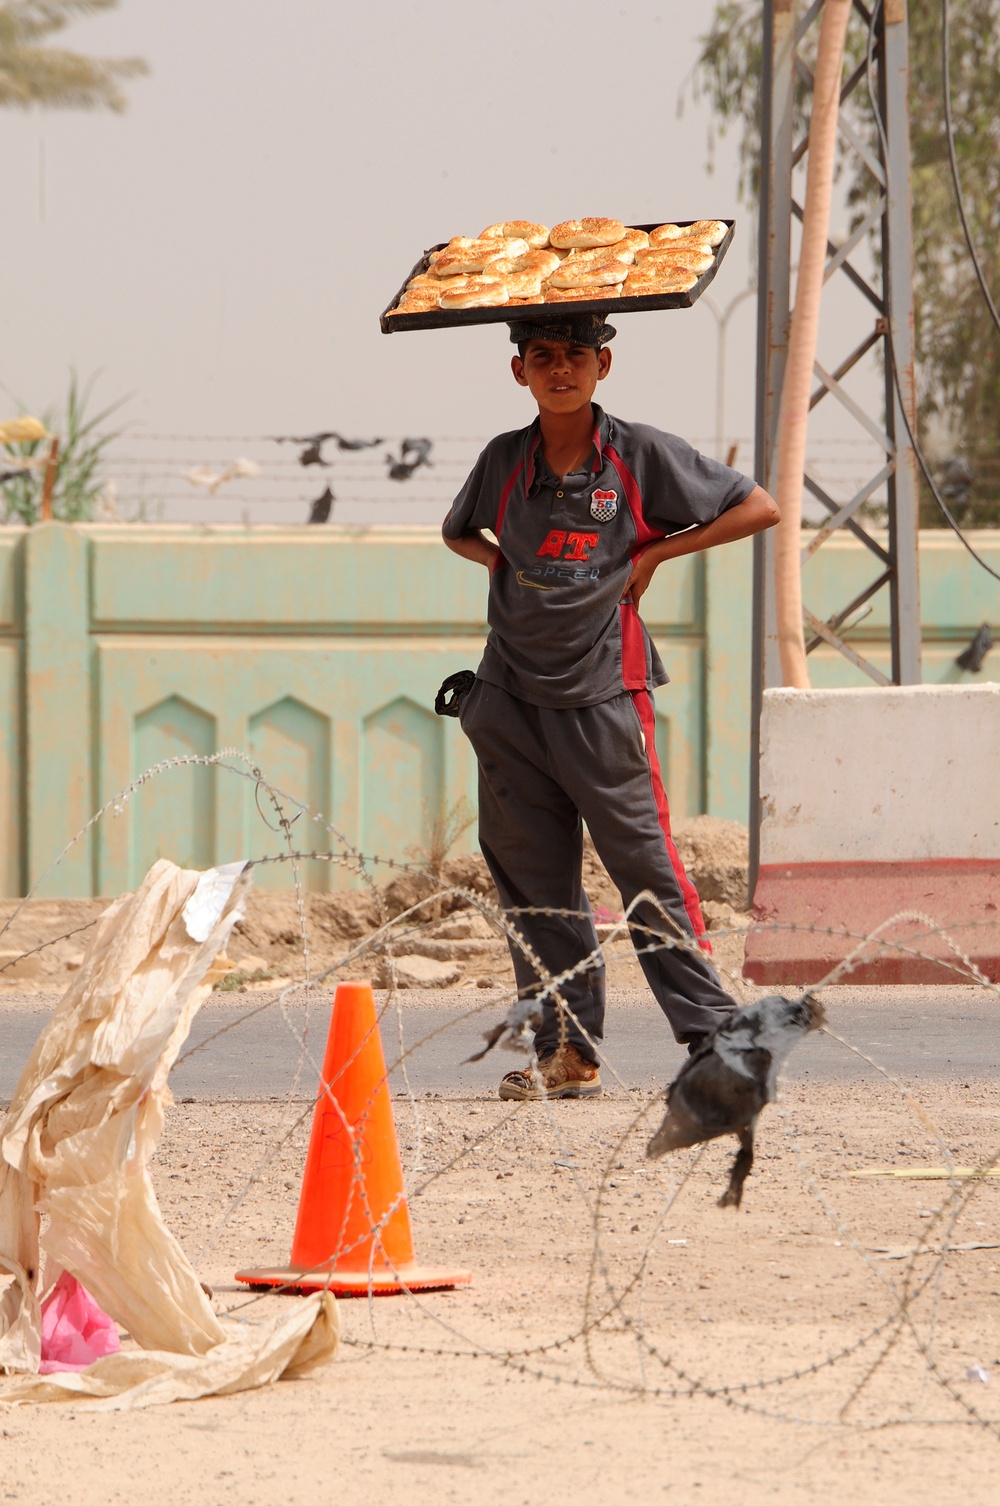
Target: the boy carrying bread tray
(585, 508)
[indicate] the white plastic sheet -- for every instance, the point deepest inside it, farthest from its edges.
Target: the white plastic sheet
(76, 1144)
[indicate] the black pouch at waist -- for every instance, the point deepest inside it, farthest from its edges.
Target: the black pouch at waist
(448, 701)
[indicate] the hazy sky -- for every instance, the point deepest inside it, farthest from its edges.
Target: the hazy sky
(223, 250)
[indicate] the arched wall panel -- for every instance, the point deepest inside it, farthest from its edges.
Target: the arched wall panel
(402, 779)
(290, 743)
(173, 815)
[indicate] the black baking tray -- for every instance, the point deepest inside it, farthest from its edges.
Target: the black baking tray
(503, 314)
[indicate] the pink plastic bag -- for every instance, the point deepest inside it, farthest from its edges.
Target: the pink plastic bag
(75, 1332)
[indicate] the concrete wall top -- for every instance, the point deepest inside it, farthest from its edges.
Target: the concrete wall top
(870, 775)
(843, 567)
(336, 579)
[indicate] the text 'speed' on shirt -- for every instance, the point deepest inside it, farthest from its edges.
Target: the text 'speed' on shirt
(560, 634)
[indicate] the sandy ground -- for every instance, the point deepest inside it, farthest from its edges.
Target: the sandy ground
(565, 1226)
(624, 1339)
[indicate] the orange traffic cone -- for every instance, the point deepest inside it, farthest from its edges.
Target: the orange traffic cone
(352, 1233)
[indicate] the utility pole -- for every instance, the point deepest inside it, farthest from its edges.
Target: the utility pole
(888, 346)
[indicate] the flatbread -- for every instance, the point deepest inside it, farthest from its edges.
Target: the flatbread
(710, 231)
(577, 295)
(696, 258)
(714, 231)
(476, 256)
(637, 239)
(472, 293)
(418, 300)
(595, 274)
(622, 250)
(524, 230)
(521, 262)
(583, 233)
(679, 280)
(542, 263)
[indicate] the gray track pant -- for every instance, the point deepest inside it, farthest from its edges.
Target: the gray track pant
(541, 773)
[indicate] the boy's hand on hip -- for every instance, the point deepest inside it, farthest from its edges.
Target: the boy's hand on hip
(752, 515)
(642, 573)
(477, 547)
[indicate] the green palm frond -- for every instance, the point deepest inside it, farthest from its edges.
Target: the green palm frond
(32, 73)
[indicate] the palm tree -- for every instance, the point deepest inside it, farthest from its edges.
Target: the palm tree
(34, 73)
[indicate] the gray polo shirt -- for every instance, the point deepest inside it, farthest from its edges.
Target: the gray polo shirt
(560, 632)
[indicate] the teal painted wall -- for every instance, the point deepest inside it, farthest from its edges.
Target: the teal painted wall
(317, 653)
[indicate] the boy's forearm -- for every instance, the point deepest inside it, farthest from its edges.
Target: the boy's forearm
(753, 515)
(474, 546)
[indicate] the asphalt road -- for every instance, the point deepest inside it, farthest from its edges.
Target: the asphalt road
(914, 1033)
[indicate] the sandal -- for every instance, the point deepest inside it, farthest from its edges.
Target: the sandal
(563, 1074)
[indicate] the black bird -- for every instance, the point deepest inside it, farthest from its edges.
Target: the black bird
(412, 455)
(971, 658)
(355, 444)
(514, 1033)
(319, 511)
(312, 453)
(722, 1087)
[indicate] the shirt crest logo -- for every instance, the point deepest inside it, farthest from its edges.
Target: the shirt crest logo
(603, 506)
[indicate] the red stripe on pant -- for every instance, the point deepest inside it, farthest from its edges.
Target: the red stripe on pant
(692, 904)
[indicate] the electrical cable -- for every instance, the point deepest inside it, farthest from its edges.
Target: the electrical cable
(890, 344)
(953, 162)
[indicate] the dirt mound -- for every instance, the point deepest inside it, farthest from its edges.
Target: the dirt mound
(268, 946)
(716, 854)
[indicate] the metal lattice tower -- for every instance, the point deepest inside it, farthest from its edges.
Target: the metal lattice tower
(889, 293)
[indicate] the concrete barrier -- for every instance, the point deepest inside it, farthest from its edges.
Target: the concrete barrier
(876, 802)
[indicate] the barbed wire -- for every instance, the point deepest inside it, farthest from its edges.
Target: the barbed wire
(614, 1326)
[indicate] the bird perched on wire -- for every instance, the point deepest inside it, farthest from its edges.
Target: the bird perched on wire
(412, 455)
(319, 511)
(722, 1087)
(312, 452)
(240, 469)
(972, 657)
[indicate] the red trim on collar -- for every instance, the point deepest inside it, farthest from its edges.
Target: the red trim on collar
(529, 464)
(599, 445)
(598, 464)
(502, 508)
(643, 533)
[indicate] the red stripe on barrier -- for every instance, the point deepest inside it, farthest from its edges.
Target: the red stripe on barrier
(796, 907)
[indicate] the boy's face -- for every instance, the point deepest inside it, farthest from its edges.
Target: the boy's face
(560, 377)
